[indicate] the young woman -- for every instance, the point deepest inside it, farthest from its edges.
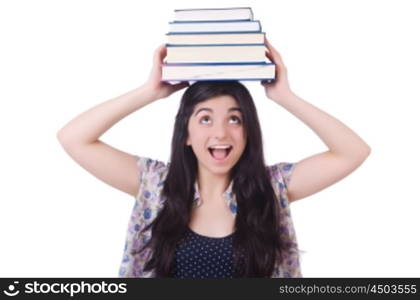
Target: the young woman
(216, 209)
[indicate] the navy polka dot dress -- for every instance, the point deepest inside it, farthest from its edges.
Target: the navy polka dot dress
(199, 256)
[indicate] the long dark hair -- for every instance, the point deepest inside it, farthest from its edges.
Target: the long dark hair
(256, 243)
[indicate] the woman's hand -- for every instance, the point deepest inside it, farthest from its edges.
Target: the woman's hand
(279, 88)
(154, 85)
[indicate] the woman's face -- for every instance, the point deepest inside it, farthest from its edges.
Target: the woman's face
(216, 134)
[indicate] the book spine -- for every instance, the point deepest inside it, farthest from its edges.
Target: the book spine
(212, 32)
(219, 64)
(226, 32)
(214, 21)
(246, 12)
(224, 8)
(212, 45)
(217, 79)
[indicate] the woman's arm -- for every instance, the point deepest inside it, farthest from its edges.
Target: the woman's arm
(80, 137)
(346, 149)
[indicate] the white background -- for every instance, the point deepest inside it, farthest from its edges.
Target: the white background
(357, 60)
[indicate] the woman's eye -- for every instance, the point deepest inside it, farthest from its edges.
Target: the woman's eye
(204, 118)
(207, 120)
(237, 119)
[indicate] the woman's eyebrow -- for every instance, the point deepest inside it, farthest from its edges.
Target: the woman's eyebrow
(210, 110)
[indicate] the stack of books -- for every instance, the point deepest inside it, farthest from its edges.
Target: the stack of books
(216, 44)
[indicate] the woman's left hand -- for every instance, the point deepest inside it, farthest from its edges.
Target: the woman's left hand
(279, 88)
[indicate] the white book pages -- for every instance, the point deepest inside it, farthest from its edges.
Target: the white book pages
(215, 27)
(191, 54)
(240, 13)
(218, 72)
(221, 38)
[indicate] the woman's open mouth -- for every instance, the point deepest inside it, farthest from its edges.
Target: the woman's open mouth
(220, 152)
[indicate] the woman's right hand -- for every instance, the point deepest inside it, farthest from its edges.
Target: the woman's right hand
(160, 89)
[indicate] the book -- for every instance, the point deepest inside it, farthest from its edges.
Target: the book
(215, 26)
(215, 53)
(215, 38)
(213, 14)
(218, 71)
(216, 44)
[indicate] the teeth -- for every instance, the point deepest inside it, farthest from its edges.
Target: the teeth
(220, 147)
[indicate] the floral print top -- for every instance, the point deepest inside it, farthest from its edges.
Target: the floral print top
(149, 201)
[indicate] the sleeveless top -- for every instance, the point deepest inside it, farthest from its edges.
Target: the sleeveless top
(149, 201)
(199, 256)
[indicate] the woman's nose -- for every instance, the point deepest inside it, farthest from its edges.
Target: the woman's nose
(220, 131)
